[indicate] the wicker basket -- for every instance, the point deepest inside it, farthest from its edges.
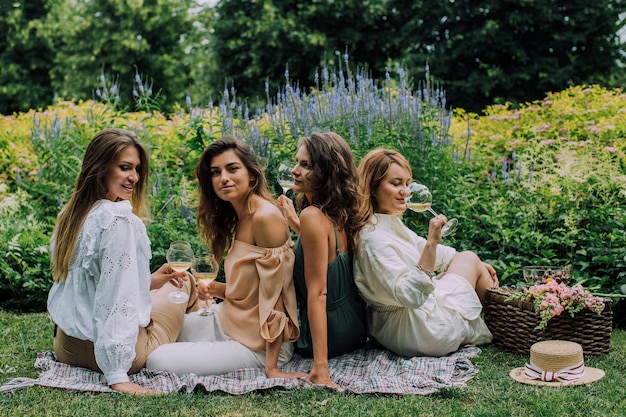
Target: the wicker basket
(513, 325)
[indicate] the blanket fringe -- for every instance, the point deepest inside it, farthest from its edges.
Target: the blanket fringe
(17, 383)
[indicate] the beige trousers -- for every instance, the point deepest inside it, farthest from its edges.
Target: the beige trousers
(166, 322)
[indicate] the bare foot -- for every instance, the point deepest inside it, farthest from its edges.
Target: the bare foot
(324, 382)
(275, 373)
(134, 389)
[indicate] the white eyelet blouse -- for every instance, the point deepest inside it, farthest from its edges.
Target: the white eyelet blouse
(106, 296)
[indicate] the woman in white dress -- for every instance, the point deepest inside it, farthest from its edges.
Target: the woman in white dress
(414, 311)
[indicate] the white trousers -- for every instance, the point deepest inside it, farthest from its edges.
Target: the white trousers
(203, 348)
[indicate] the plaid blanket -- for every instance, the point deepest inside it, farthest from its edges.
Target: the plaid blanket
(364, 371)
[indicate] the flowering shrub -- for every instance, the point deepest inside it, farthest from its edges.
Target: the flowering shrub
(41, 152)
(544, 172)
(528, 185)
(552, 298)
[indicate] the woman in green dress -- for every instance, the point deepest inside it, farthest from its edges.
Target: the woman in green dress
(332, 313)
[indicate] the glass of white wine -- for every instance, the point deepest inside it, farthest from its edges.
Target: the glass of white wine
(285, 177)
(204, 269)
(179, 257)
(421, 200)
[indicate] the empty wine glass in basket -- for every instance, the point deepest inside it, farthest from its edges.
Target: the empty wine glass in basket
(421, 200)
(205, 268)
(179, 257)
(534, 274)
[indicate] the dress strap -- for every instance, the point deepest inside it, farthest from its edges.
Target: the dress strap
(336, 239)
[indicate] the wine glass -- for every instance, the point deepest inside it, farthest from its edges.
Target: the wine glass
(204, 269)
(421, 200)
(539, 274)
(285, 177)
(179, 257)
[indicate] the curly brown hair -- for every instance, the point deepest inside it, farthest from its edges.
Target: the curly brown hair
(334, 181)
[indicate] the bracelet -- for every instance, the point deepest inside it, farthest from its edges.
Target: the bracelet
(426, 271)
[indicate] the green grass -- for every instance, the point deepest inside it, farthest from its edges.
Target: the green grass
(490, 393)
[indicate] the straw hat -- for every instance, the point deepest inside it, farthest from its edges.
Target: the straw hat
(556, 363)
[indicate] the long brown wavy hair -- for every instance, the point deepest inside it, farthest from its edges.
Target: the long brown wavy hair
(372, 170)
(216, 218)
(91, 185)
(334, 181)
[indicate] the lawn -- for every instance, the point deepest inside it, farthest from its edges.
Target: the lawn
(490, 393)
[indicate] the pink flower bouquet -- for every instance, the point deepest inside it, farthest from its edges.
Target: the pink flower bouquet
(551, 298)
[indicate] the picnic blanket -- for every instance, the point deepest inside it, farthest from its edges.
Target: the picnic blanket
(364, 371)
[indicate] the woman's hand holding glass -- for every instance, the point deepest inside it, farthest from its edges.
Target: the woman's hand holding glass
(166, 274)
(285, 177)
(205, 268)
(289, 212)
(421, 200)
(179, 257)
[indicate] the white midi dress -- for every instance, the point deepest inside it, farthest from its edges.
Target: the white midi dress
(410, 314)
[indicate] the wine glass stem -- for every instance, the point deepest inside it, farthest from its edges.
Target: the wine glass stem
(433, 212)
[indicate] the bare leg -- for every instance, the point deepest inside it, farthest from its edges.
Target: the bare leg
(272, 351)
(468, 265)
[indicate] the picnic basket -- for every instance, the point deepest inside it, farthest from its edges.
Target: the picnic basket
(513, 323)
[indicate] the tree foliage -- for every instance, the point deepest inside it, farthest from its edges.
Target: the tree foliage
(258, 40)
(25, 56)
(122, 38)
(61, 48)
(482, 51)
(494, 51)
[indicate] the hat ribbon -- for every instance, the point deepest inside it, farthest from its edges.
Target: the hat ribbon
(571, 373)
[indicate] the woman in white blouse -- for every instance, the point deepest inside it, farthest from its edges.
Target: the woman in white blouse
(106, 317)
(414, 310)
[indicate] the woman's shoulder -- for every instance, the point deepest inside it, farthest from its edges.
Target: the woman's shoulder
(104, 212)
(379, 228)
(266, 211)
(371, 225)
(315, 226)
(269, 227)
(314, 215)
(119, 208)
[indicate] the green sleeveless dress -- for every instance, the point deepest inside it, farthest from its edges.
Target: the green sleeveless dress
(345, 308)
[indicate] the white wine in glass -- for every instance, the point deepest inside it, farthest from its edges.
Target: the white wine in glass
(205, 268)
(285, 177)
(421, 200)
(179, 266)
(179, 257)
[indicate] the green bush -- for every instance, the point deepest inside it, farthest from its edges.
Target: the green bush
(548, 186)
(24, 264)
(542, 184)
(44, 158)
